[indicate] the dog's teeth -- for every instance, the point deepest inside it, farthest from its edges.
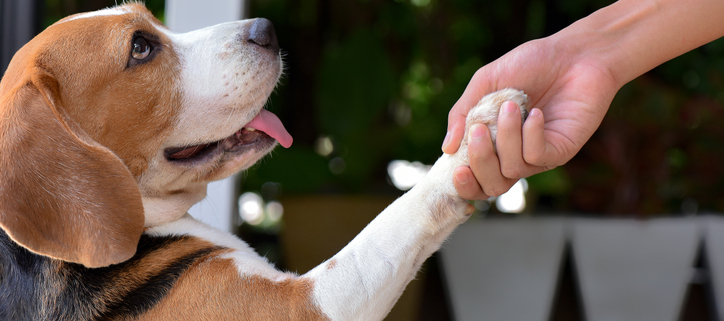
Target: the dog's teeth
(250, 129)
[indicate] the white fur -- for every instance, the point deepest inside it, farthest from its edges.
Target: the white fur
(247, 261)
(115, 11)
(224, 83)
(221, 76)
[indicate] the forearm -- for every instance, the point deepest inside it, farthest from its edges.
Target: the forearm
(631, 37)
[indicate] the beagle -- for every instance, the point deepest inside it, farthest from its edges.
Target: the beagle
(111, 126)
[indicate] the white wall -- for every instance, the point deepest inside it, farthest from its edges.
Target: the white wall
(187, 15)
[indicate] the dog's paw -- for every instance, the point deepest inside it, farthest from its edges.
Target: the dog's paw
(488, 109)
(486, 112)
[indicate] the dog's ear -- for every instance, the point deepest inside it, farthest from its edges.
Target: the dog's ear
(62, 194)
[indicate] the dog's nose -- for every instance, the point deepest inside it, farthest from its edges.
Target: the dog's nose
(261, 33)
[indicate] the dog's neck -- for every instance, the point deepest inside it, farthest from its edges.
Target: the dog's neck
(160, 210)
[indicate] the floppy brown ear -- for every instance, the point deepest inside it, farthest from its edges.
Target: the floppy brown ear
(62, 194)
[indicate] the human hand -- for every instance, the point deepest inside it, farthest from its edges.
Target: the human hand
(569, 93)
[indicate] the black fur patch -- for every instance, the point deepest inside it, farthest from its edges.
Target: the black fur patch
(35, 287)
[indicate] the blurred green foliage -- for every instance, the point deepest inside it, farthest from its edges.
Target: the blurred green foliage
(376, 78)
(379, 77)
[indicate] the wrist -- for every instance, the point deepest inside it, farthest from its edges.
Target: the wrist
(631, 37)
(602, 40)
(589, 49)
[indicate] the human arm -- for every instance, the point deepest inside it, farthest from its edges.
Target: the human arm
(572, 77)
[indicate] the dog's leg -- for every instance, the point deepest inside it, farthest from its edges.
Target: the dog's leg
(365, 279)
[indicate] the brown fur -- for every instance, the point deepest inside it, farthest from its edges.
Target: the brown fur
(68, 125)
(226, 296)
(331, 264)
(69, 209)
(127, 111)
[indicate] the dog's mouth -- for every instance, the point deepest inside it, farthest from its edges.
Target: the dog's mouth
(263, 130)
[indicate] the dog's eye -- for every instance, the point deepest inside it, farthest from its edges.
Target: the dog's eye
(141, 48)
(144, 47)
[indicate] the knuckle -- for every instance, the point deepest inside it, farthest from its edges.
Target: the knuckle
(494, 191)
(454, 113)
(479, 74)
(511, 172)
(534, 158)
(469, 192)
(479, 153)
(480, 196)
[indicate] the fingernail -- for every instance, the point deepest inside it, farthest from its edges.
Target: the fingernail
(509, 107)
(462, 178)
(446, 140)
(535, 112)
(477, 132)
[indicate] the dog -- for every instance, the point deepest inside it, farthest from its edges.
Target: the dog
(111, 126)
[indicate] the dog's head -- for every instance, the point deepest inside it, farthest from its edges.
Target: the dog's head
(109, 122)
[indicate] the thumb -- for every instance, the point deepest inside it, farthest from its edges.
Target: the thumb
(457, 115)
(455, 133)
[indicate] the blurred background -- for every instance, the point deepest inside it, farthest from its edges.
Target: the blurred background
(366, 92)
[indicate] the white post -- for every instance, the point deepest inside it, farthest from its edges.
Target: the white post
(217, 209)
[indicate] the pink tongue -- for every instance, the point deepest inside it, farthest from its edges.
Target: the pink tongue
(269, 123)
